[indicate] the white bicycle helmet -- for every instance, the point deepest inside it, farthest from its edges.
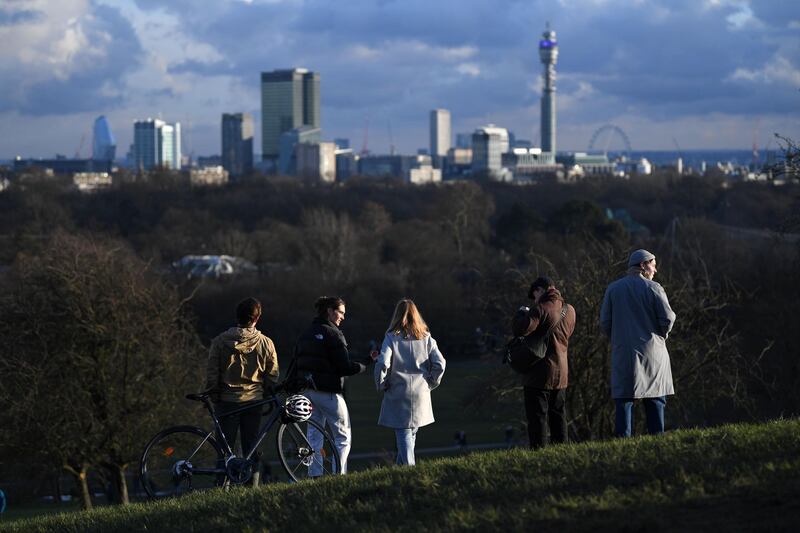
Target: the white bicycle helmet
(298, 408)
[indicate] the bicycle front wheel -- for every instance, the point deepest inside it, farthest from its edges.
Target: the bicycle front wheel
(179, 460)
(307, 451)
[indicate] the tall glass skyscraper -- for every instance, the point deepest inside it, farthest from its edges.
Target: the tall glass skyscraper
(104, 147)
(237, 143)
(156, 144)
(289, 99)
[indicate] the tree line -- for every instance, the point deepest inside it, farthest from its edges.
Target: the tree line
(102, 339)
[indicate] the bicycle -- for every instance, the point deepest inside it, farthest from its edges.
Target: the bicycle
(183, 459)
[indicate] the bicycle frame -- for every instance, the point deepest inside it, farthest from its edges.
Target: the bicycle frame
(273, 417)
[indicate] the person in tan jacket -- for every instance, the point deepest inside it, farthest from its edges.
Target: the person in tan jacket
(239, 361)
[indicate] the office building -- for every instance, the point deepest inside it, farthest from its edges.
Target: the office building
(548, 54)
(531, 164)
(156, 144)
(237, 144)
(463, 140)
(590, 164)
(411, 168)
(289, 99)
(104, 147)
(440, 132)
(287, 156)
(489, 143)
(208, 176)
(316, 161)
(62, 165)
(346, 163)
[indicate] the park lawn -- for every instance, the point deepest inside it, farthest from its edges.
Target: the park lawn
(734, 477)
(459, 382)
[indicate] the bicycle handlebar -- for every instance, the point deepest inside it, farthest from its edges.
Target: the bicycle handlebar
(283, 386)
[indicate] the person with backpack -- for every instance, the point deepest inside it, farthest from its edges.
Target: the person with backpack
(552, 320)
(321, 358)
(408, 367)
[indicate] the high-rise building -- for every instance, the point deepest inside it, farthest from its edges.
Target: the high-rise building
(290, 140)
(289, 99)
(463, 140)
(317, 161)
(237, 143)
(489, 143)
(548, 53)
(156, 144)
(104, 147)
(440, 132)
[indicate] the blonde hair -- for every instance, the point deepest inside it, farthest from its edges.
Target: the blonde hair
(407, 320)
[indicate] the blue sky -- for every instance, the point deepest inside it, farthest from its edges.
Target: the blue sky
(699, 73)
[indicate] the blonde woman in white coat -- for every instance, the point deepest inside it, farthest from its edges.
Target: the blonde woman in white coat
(408, 367)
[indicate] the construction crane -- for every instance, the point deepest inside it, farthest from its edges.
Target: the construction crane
(80, 147)
(364, 148)
(391, 138)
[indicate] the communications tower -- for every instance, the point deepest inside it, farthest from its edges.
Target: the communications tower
(548, 53)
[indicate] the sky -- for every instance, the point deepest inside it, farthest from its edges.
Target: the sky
(687, 74)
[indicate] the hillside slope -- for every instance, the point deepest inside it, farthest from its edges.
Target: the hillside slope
(736, 477)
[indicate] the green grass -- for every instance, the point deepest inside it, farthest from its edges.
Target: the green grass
(736, 477)
(460, 379)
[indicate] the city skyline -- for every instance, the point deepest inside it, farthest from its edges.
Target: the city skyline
(697, 75)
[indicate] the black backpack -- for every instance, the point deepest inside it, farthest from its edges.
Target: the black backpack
(523, 352)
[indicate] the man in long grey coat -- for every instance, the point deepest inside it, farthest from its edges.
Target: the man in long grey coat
(637, 317)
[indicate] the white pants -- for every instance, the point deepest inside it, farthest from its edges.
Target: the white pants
(331, 408)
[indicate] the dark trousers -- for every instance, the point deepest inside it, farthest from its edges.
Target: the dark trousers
(247, 423)
(546, 409)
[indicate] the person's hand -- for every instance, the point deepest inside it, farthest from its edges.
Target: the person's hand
(374, 355)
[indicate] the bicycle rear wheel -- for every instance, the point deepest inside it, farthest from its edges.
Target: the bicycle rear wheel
(179, 460)
(306, 451)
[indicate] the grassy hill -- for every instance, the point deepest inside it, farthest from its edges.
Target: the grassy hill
(736, 477)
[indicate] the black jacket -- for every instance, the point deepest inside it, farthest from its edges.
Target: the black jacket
(322, 352)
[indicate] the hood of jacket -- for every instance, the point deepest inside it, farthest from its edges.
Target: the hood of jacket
(242, 340)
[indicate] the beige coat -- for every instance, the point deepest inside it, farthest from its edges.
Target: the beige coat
(239, 361)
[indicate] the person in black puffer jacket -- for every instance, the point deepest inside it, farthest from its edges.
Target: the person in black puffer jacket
(321, 355)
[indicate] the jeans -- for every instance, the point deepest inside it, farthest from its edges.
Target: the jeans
(546, 409)
(653, 409)
(406, 439)
(330, 408)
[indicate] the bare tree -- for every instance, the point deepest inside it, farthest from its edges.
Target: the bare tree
(98, 356)
(709, 368)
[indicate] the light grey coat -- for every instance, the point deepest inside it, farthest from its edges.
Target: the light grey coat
(406, 371)
(637, 317)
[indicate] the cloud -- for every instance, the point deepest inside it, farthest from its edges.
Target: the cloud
(778, 71)
(70, 57)
(392, 61)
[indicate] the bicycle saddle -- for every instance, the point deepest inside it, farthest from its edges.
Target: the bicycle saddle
(199, 397)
